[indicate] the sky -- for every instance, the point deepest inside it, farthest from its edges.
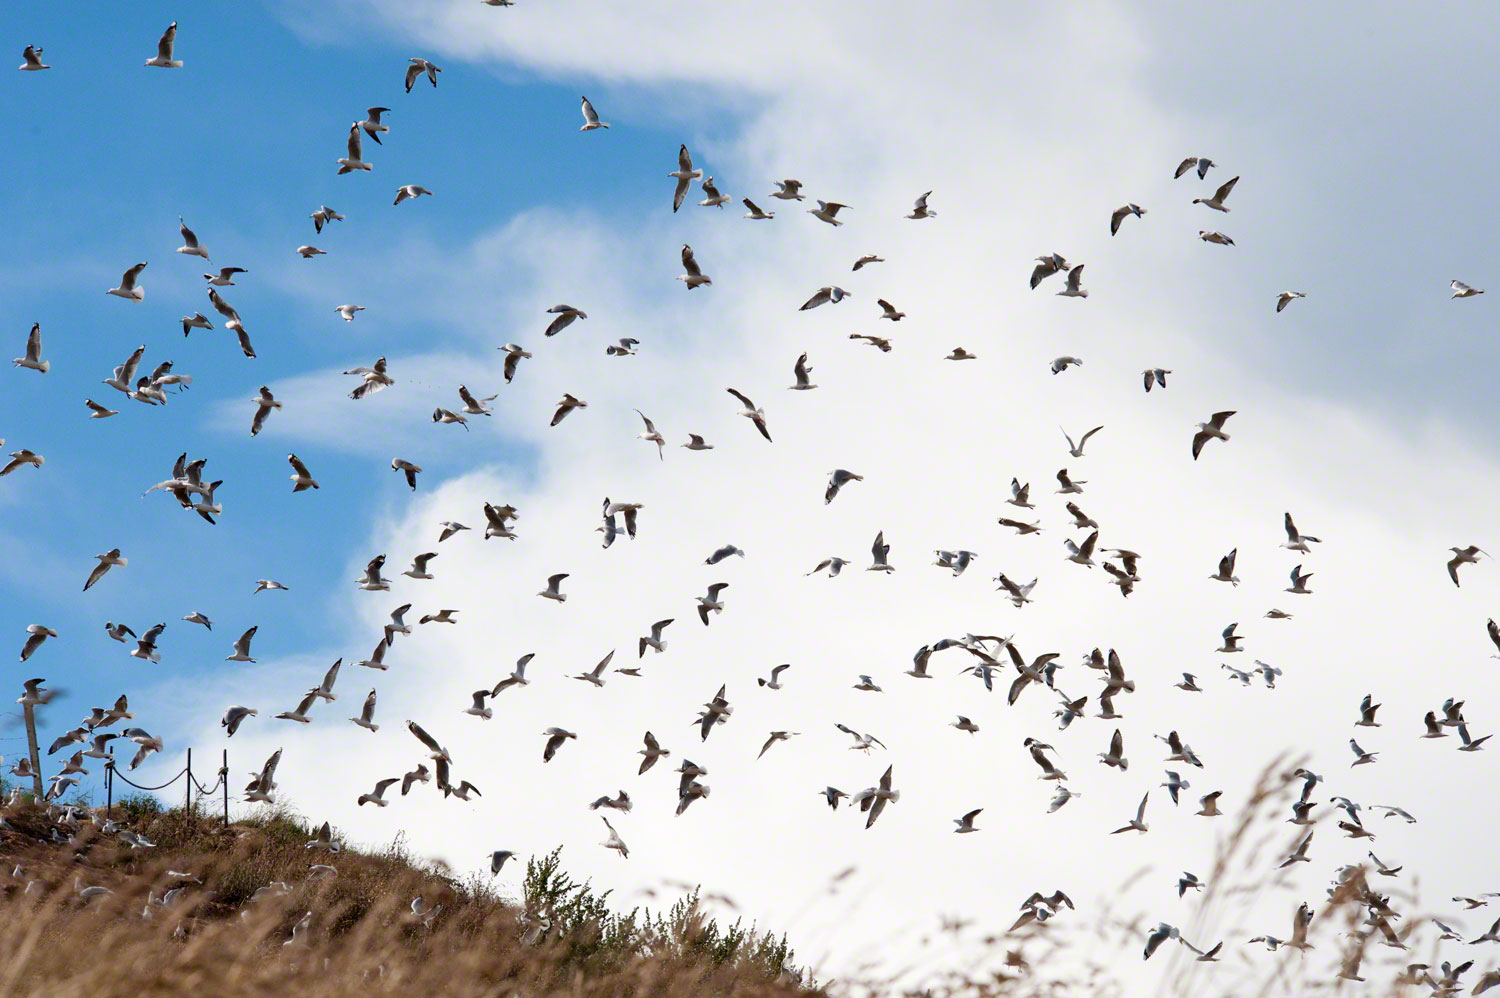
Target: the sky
(1360, 409)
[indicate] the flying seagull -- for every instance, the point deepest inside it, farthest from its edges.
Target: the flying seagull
(163, 58)
(684, 174)
(1211, 430)
(591, 118)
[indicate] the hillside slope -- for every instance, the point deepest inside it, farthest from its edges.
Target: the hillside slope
(165, 903)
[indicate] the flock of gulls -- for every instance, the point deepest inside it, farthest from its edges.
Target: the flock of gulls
(986, 659)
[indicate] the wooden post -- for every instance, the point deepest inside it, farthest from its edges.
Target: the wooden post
(36, 757)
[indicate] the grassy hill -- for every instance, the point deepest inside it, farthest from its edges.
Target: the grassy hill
(252, 916)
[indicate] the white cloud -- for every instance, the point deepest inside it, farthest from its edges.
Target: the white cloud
(938, 443)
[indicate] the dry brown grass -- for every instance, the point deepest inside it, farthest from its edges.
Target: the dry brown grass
(561, 939)
(362, 939)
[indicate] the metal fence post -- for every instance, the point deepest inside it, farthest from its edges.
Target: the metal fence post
(36, 758)
(109, 784)
(224, 776)
(188, 806)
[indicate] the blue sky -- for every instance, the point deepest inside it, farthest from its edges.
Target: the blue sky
(1363, 408)
(242, 144)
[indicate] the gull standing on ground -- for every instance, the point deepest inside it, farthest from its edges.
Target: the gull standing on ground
(590, 118)
(33, 359)
(163, 58)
